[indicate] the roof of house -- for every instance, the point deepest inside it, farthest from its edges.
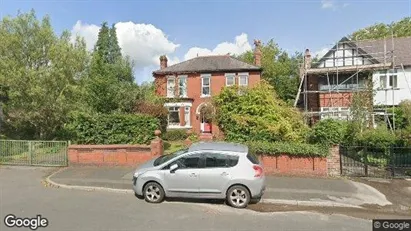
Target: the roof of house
(374, 49)
(219, 146)
(209, 64)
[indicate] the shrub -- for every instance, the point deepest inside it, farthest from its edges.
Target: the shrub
(112, 128)
(156, 110)
(379, 138)
(288, 148)
(328, 132)
(256, 114)
(175, 135)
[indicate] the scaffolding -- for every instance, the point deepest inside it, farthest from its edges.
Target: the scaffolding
(349, 61)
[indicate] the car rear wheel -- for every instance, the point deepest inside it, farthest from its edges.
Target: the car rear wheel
(153, 193)
(238, 196)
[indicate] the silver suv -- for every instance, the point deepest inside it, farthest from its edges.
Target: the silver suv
(211, 170)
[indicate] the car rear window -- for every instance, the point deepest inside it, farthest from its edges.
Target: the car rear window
(251, 157)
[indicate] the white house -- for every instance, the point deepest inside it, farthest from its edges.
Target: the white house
(328, 85)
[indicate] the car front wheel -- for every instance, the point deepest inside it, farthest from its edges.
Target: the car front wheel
(238, 196)
(153, 192)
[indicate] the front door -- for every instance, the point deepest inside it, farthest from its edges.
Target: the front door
(184, 180)
(216, 174)
(205, 125)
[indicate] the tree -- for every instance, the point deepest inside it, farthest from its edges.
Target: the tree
(279, 69)
(110, 85)
(401, 28)
(41, 71)
(257, 114)
(114, 48)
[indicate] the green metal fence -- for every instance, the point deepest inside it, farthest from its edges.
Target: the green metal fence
(376, 161)
(34, 153)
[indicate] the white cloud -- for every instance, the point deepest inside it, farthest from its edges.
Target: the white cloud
(144, 43)
(87, 31)
(239, 46)
(329, 4)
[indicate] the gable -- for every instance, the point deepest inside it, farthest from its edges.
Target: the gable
(345, 53)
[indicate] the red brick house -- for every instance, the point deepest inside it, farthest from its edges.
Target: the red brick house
(189, 86)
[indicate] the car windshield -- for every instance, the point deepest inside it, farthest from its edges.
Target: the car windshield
(165, 158)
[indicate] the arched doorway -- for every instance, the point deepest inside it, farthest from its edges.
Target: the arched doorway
(205, 112)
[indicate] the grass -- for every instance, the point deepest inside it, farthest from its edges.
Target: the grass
(173, 146)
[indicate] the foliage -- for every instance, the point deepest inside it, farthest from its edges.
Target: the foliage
(110, 85)
(380, 137)
(328, 132)
(400, 28)
(257, 115)
(175, 134)
(112, 128)
(193, 137)
(41, 72)
(287, 148)
(402, 113)
(281, 70)
(208, 112)
(173, 146)
(155, 110)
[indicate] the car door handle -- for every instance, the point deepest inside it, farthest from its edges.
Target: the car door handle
(193, 175)
(224, 174)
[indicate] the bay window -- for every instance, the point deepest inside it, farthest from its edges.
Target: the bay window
(174, 116)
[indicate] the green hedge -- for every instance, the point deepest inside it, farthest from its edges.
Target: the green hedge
(175, 135)
(288, 148)
(112, 128)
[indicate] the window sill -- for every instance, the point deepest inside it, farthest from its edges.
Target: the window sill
(205, 96)
(178, 127)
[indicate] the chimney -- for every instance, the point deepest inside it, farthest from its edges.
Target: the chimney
(307, 59)
(257, 52)
(163, 61)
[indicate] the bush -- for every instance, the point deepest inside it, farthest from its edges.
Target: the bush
(328, 132)
(257, 115)
(288, 148)
(112, 128)
(156, 110)
(175, 135)
(379, 138)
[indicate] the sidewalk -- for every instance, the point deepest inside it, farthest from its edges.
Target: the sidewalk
(280, 190)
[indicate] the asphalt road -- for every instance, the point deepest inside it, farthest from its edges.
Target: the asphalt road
(22, 194)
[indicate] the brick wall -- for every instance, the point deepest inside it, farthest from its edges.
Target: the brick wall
(114, 154)
(303, 166)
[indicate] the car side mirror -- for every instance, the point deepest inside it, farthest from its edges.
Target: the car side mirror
(173, 168)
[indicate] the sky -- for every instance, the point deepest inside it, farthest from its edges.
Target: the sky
(183, 29)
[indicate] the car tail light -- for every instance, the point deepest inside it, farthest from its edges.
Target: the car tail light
(258, 171)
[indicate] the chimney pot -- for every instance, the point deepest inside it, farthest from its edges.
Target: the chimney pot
(307, 59)
(163, 61)
(257, 52)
